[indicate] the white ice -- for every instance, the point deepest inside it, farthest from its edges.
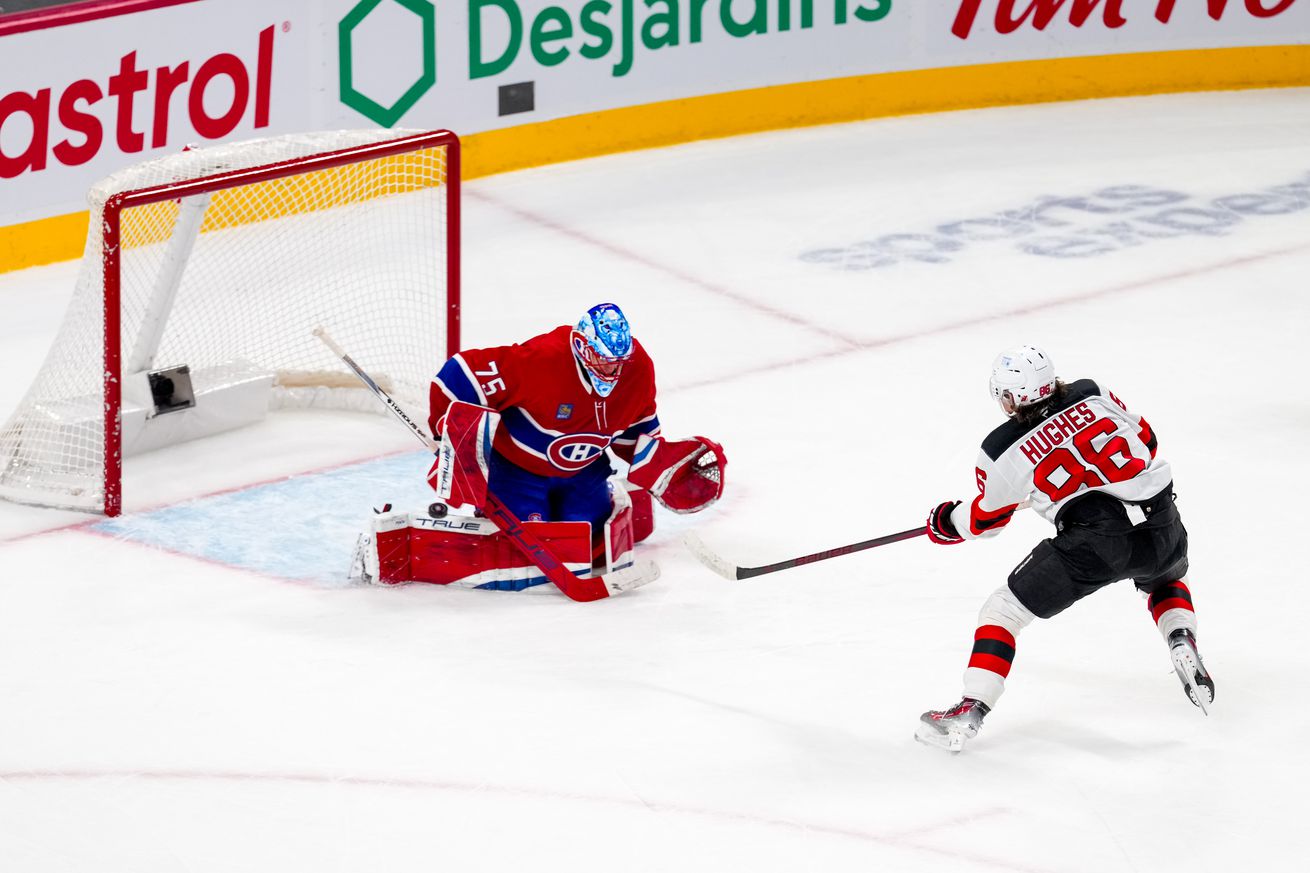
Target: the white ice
(164, 712)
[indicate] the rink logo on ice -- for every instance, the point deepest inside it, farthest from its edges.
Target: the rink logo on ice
(1081, 226)
(72, 125)
(615, 31)
(400, 36)
(1009, 16)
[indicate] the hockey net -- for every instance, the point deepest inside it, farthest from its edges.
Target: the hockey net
(213, 267)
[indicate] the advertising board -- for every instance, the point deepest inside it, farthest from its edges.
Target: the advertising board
(91, 93)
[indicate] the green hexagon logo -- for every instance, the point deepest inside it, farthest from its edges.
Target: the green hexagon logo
(353, 29)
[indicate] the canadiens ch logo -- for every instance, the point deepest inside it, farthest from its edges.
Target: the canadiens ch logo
(574, 451)
(565, 411)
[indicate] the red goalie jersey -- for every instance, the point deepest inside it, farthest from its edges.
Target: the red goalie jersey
(553, 422)
(1090, 441)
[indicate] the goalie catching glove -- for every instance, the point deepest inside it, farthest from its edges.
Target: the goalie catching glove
(683, 475)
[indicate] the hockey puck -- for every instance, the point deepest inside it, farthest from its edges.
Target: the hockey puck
(438, 510)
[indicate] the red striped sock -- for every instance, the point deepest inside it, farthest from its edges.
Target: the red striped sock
(993, 649)
(1173, 595)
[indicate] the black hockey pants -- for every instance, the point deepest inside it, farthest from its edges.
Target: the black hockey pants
(1097, 544)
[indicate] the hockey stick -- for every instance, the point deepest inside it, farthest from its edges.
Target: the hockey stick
(575, 588)
(732, 571)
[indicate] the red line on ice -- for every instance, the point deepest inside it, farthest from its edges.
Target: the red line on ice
(850, 344)
(661, 267)
(900, 841)
(80, 525)
(883, 342)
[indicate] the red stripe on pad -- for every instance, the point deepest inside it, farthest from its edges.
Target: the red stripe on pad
(1164, 606)
(1000, 666)
(995, 632)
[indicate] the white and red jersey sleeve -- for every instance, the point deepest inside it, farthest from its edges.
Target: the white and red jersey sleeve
(1089, 441)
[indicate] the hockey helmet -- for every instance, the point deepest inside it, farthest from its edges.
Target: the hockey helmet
(602, 343)
(1021, 377)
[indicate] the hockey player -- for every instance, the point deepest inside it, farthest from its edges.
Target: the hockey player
(564, 397)
(1090, 467)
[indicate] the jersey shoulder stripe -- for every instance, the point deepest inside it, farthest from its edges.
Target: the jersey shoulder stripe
(457, 382)
(1005, 436)
(650, 425)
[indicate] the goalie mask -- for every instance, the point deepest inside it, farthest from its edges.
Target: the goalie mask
(602, 343)
(1021, 377)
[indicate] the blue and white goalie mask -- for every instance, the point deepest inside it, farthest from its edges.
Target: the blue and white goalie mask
(602, 343)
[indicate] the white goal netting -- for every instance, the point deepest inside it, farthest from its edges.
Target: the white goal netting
(229, 282)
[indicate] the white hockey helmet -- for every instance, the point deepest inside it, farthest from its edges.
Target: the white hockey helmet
(1021, 377)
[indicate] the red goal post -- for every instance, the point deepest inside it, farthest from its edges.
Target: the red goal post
(204, 275)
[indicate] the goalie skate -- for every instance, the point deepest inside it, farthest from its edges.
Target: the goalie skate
(1191, 671)
(950, 729)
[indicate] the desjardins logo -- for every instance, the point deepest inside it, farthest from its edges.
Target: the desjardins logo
(604, 29)
(392, 17)
(376, 32)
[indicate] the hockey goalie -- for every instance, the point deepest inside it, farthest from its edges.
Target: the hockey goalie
(535, 425)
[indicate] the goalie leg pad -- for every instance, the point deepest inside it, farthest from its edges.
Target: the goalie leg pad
(381, 554)
(683, 475)
(643, 508)
(467, 552)
(619, 532)
(459, 475)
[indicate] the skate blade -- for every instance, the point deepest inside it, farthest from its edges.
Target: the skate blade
(951, 741)
(1187, 668)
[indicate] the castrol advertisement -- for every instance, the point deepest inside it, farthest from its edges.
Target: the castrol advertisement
(80, 101)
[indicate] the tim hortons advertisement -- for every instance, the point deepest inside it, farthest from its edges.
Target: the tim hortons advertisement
(976, 31)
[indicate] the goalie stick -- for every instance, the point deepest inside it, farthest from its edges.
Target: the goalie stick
(582, 590)
(731, 571)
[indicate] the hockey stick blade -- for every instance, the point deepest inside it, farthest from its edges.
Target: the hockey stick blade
(703, 554)
(634, 576)
(728, 570)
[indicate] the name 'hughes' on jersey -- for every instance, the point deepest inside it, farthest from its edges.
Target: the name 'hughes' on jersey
(1088, 440)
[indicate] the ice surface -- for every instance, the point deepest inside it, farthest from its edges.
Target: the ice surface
(179, 696)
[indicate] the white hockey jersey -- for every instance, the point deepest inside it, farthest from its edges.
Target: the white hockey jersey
(1089, 440)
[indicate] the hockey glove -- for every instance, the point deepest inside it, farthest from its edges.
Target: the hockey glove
(941, 530)
(683, 475)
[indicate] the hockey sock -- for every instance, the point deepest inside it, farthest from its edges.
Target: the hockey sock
(1171, 607)
(999, 623)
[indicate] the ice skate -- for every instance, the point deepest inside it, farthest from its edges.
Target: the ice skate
(949, 729)
(1191, 671)
(359, 573)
